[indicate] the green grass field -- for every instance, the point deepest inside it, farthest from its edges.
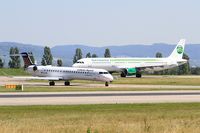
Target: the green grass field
(153, 81)
(194, 81)
(166, 80)
(121, 118)
(71, 89)
(12, 72)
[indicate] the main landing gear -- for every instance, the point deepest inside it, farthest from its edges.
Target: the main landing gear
(67, 83)
(138, 74)
(51, 83)
(123, 74)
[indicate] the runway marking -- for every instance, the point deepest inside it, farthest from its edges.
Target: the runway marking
(98, 94)
(105, 97)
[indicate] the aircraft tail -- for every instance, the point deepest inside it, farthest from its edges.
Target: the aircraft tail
(26, 59)
(177, 53)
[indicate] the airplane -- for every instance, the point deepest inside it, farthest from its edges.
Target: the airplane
(53, 73)
(135, 66)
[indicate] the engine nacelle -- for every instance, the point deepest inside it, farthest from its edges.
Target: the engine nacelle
(35, 68)
(131, 71)
(128, 72)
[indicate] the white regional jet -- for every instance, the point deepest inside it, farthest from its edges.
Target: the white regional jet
(135, 66)
(53, 73)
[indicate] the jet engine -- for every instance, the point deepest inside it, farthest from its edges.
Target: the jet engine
(35, 68)
(128, 72)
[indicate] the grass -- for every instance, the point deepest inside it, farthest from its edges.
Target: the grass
(168, 80)
(159, 81)
(74, 89)
(154, 81)
(122, 118)
(194, 81)
(12, 72)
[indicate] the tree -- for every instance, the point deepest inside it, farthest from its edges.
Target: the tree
(94, 56)
(15, 58)
(88, 55)
(107, 53)
(59, 62)
(43, 62)
(1, 63)
(47, 57)
(159, 55)
(195, 70)
(78, 55)
(185, 68)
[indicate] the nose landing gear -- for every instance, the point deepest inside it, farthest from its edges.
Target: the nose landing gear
(106, 84)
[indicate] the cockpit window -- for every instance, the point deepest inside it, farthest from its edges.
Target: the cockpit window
(80, 62)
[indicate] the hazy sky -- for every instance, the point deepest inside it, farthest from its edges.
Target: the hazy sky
(99, 22)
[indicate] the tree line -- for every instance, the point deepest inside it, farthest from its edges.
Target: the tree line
(47, 59)
(78, 55)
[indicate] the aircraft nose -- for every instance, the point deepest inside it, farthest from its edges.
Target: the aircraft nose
(74, 65)
(110, 77)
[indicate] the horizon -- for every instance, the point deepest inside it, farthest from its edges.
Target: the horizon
(88, 45)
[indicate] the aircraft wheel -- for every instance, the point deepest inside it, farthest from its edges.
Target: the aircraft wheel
(51, 83)
(67, 83)
(106, 84)
(123, 74)
(138, 75)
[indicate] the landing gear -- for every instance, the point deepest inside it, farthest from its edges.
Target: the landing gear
(123, 74)
(138, 74)
(106, 84)
(51, 83)
(67, 83)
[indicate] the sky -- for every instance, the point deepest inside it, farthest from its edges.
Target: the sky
(99, 22)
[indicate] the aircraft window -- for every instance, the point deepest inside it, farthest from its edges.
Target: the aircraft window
(103, 72)
(100, 72)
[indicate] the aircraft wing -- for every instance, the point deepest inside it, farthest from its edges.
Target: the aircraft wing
(39, 78)
(144, 67)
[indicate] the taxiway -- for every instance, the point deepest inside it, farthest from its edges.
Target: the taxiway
(102, 97)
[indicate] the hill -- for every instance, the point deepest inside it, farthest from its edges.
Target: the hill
(66, 52)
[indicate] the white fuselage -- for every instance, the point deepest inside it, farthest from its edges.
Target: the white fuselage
(69, 73)
(117, 64)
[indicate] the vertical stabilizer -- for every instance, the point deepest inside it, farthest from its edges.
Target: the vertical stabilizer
(27, 60)
(177, 53)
